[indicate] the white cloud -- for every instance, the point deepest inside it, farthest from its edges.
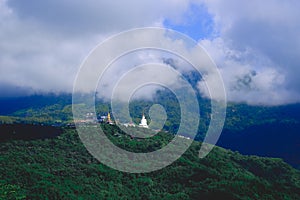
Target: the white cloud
(248, 77)
(43, 43)
(99, 61)
(260, 36)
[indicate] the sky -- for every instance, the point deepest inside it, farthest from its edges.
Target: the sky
(255, 44)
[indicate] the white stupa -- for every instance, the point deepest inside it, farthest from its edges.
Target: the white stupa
(143, 123)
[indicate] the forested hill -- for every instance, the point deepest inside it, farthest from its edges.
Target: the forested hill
(251, 130)
(61, 168)
(9, 105)
(51, 107)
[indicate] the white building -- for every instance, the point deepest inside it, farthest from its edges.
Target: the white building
(131, 124)
(143, 123)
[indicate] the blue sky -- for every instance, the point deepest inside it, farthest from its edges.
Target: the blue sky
(43, 43)
(196, 22)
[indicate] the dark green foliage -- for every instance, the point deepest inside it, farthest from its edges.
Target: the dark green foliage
(61, 168)
(274, 139)
(8, 191)
(27, 132)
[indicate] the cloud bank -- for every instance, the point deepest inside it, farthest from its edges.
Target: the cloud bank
(255, 44)
(257, 49)
(43, 43)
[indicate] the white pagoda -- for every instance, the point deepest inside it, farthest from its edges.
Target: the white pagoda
(143, 123)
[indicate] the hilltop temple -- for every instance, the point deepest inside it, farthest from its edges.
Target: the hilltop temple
(143, 123)
(109, 121)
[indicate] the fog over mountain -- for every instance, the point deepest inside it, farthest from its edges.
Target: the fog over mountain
(255, 44)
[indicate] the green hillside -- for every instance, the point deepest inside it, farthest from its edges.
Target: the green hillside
(61, 168)
(248, 129)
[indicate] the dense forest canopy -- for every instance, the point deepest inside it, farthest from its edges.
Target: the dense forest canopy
(61, 168)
